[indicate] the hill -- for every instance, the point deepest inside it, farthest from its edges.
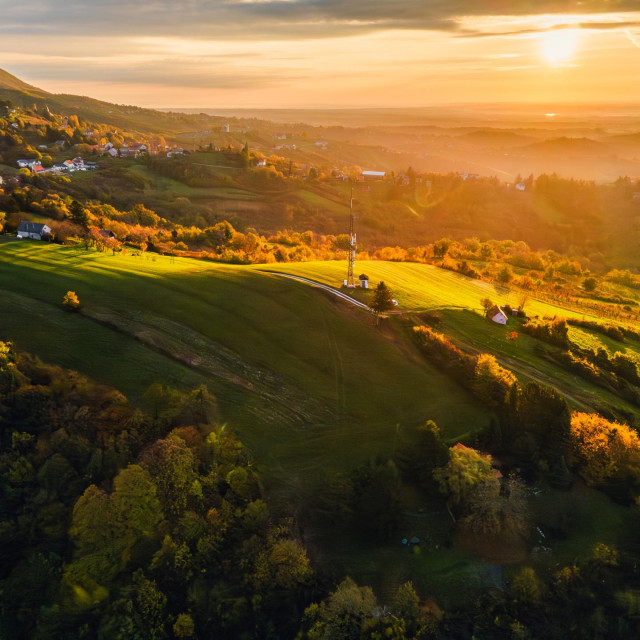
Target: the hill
(421, 288)
(9, 82)
(123, 116)
(581, 146)
(277, 354)
(312, 386)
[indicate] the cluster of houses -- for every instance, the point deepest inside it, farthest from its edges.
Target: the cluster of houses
(138, 149)
(127, 151)
(68, 166)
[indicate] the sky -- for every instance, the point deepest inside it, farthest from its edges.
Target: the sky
(326, 53)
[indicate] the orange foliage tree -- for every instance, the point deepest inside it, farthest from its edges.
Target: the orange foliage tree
(604, 451)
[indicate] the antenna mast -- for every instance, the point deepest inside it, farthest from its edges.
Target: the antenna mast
(351, 253)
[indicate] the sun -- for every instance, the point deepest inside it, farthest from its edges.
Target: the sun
(559, 45)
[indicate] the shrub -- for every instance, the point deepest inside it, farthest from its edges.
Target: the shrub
(439, 348)
(554, 332)
(71, 301)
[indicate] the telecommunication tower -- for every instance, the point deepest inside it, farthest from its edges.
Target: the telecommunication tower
(351, 253)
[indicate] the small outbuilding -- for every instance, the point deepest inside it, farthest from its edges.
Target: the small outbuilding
(364, 281)
(35, 230)
(107, 234)
(497, 315)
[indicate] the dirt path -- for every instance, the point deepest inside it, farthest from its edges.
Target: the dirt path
(326, 287)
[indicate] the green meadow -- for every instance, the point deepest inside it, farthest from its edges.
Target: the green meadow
(310, 383)
(305, 379)
(421, 287)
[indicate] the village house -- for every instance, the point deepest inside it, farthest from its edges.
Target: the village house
(27, 163)
(364, 281)
(497, 315)
(34, 230)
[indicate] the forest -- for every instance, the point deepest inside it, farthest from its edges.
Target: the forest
(118, 523)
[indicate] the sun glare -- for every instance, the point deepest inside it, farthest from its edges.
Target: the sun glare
(559, 45)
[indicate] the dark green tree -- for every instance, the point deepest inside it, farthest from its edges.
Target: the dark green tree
(382, 299)
(78, 214)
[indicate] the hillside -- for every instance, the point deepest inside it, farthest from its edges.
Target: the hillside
(500, 142)
(9, 82)
(276, 353)
(313, 387)
(421, 288)
(122, 116)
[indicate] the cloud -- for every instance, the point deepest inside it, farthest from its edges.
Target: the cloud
(273, 19)
(567, 23)
(634, 38)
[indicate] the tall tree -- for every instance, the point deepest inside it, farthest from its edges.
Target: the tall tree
(78, 214)
(382, 299)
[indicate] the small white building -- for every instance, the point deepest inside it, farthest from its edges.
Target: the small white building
(521, 186)
(27, 163)
(373, 175)
(35, 230)
(364, 281)
(225, 128)
(497, 315)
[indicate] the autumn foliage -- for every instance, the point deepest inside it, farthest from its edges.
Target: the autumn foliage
(605, 451)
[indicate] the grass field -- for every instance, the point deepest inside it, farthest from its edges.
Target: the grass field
(322, 203)
(157, 184)
(311, 384)
(277, 353)
(421, 287)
